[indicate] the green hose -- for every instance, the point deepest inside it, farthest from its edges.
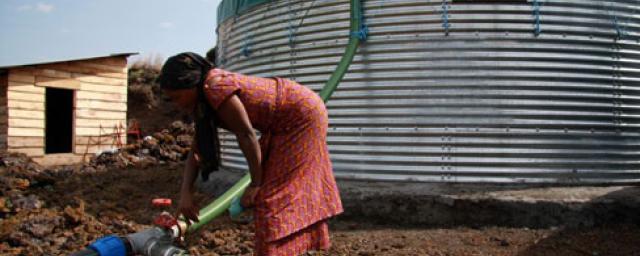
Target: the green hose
(347, 57)
(222, 203)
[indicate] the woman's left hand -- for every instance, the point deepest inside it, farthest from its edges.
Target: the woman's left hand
(249, 197)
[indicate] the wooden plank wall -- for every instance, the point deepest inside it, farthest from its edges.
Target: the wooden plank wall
(25, 113)
(3, 111)
(100, 103)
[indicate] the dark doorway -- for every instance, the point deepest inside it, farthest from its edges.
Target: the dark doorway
(59, 120)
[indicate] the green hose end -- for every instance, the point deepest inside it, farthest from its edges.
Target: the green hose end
(236, 208)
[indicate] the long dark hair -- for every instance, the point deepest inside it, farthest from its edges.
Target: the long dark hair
(186, 71)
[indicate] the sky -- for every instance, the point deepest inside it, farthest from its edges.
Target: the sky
(45, 30)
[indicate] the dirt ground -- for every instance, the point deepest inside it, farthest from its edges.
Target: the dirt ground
(146, 102)
(78, 208)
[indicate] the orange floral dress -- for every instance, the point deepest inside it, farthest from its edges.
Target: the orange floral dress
(299, 191)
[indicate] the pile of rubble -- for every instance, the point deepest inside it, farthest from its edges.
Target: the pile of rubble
(168, 145)
(35, 220)
(29, 225)
(59, 211)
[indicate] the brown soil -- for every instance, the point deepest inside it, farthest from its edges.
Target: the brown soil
(146, 103)
(80, 207)
(152, 118)
(364, 239)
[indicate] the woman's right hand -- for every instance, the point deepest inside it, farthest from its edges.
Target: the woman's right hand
(248, 199)
(187, 208)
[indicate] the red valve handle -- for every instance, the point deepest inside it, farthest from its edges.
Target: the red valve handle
(161, 202)
(165, 220)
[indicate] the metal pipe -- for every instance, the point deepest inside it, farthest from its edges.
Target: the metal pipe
(149, 242)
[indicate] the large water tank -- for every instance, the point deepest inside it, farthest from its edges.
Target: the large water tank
(459, 90)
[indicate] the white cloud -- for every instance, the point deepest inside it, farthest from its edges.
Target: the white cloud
(39, 7)
(167, 25)
(25, 7)
(44, 7)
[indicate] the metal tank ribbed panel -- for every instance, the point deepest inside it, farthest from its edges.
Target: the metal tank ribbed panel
(451, 91)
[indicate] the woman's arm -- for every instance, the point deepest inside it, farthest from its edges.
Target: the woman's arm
(190, 173)
(234, 116)
(186, 206)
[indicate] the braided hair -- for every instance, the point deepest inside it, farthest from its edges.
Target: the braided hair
(187, 71)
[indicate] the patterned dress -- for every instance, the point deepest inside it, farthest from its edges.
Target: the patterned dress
(299, 191)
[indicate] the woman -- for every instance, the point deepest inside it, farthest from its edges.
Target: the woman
(292, 189)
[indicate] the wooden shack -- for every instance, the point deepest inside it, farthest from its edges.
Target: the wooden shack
(62, 112)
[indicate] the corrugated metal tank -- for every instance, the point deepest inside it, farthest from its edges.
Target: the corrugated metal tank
(460, 91)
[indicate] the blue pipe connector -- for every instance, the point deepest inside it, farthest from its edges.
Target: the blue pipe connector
(109, 246)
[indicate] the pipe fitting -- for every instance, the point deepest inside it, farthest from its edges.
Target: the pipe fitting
(154, 242)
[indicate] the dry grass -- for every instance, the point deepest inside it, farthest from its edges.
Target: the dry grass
(150, 61)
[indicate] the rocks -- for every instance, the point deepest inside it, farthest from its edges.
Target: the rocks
(41, 226)
(28, 203)
(5, 205)
(74, 215)
(149, 142)
(168, 145)
(184, 140)
(29, 224)
(179, 127)
(21, 184)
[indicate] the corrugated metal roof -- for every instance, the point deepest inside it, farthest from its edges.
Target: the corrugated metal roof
(67, 59)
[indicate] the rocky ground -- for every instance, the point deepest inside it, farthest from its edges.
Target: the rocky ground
(55, 212)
